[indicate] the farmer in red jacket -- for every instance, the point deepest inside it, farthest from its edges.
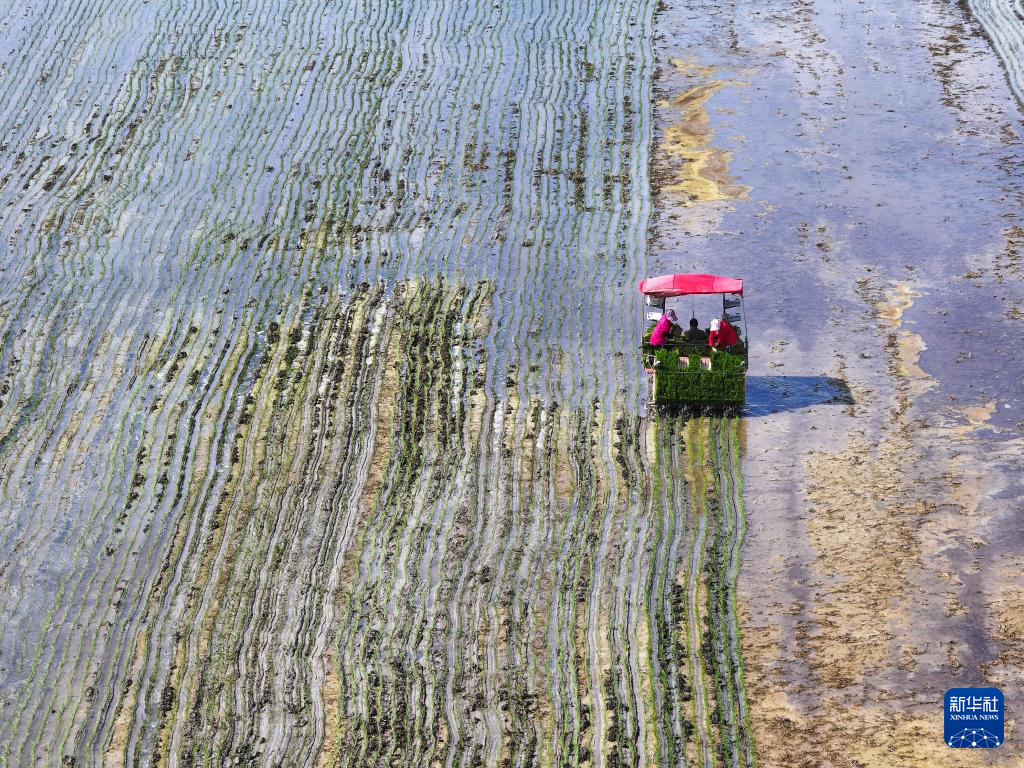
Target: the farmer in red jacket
(722, 336)
(663, 329)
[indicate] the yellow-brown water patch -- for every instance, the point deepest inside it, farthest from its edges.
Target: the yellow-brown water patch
(696, 170)
(908, 345)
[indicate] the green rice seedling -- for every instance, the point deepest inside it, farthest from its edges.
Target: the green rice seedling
(725, 362)
(699, 386)
(668, 359)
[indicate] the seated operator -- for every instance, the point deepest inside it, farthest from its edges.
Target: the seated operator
(694, 333)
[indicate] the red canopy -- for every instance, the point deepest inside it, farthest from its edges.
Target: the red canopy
(665, 286)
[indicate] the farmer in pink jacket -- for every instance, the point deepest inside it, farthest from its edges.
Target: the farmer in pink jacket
(663, 329)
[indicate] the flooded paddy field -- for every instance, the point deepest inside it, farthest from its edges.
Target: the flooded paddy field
(862, 163)
(322, 427)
